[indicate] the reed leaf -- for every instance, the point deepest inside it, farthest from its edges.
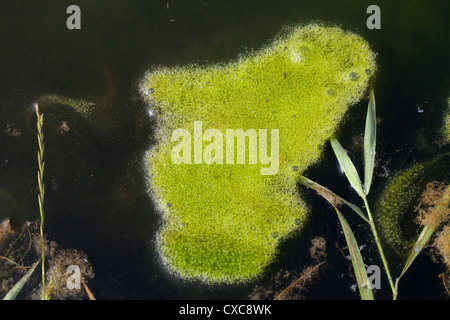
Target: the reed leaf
(348, 167)
(364, 286)
(420, 243)
(427, 231)
(330, 196)
(370, 141)
(12, 294)
(422, 240)
(359, 268)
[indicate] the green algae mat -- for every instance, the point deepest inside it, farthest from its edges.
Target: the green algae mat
(227, 206)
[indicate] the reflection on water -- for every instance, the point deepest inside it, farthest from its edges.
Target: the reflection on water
(96, 198)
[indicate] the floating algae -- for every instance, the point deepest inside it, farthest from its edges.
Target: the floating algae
(98, 115)
(81, 106)
(224, 222)
(446, 126)
(395, 210)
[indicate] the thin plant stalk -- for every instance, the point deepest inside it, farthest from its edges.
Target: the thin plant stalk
(41, 164)
(353, 177)
(380, 248)
(370, 135)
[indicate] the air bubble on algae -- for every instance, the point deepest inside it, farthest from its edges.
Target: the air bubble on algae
(331, 92)
(353, 76)
(216, 247)
(152, 113)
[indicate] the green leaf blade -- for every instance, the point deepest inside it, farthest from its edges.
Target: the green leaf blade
(364, 286)
(370, 142)
(348, 167)
(359, 268)
(330, 196)
(427, 232)
(12, 294)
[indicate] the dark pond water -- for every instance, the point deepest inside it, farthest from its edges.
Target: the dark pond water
(96, 198)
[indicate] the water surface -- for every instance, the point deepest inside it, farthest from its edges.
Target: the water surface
(96, 193)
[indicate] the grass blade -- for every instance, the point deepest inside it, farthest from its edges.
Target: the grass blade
(12, 294)
(358, 265)
(370, 141)
(427, 231)
(422, 240)
(330, 196)
(359, 268)
(348, 167)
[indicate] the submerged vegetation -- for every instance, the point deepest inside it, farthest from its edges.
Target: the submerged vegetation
(395, 207)
(446, 126)
(292, 285)
(20, 256)
(224, 223)
(83, 107)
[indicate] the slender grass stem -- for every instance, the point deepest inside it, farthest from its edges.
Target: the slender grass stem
(380, 248)
(41, 164)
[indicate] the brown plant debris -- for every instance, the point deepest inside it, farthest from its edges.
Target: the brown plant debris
(445, 276)
(434, 210)
(442, 244)
(318, 249)
(307, 276)
(289, 285)
(58, 275)
(14, 247)
(433, 206)
(19, 250)
(5, 232)
(12, 131)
